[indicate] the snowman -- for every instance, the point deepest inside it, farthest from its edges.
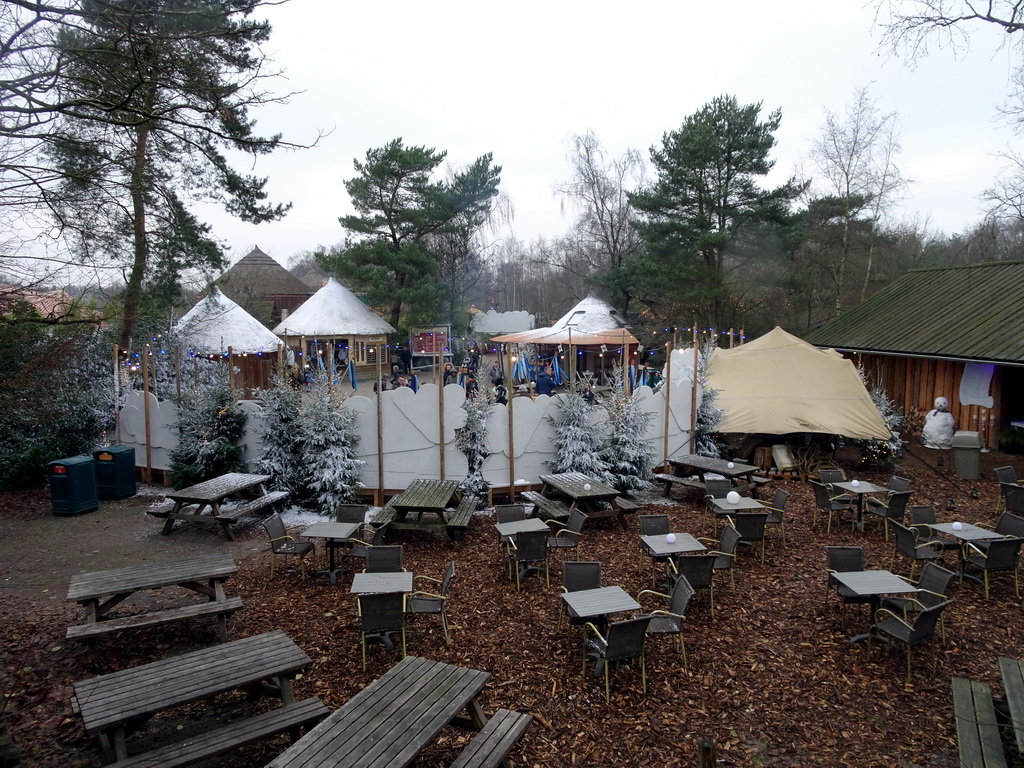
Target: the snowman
(938, 426)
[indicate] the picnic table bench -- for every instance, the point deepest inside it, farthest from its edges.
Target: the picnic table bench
(426, 505)
(190, 503)
(114, 704)
(685, 482)
(490, 746)
(101, 591)
(595, 498)
(549, 509)
(977, 731)
(389, 722)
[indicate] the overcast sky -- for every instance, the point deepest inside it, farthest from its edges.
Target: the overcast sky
(518, 80)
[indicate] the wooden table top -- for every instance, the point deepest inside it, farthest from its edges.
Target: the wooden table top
(862, 487)
(589, 603)
(88, 586)
(427, 495)
(393, 581)
(218, 488)
(1013, 683)
(111, 700)
(745, 504)
(709, 464)
(572, 485)
(387, 723)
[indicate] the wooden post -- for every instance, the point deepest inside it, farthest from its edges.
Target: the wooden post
(668, 398)
(511, 432)
(625, 373)
(117, 395)
(280, 358)
(231, 370)
(145, 407)
(440, 419)
(379, 496)
(177, 371)
(707, 755)
(730, 338)
(572, 361)
(741, 335)
(693, 392)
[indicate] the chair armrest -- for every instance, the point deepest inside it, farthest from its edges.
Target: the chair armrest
(420, 593)
(284, 538)
(879, 615)
(299, 527)
(969, 545)
(716, 552)
(985, 524)
(652, 592)
(593, 628)
(665, 613)
(930, 592)
(565, 532)
(428, 578)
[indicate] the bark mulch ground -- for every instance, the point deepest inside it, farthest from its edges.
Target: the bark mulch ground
(772, 680)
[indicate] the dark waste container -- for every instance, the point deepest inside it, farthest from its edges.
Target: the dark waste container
(73, 485)
(967, 455)
(115, 471)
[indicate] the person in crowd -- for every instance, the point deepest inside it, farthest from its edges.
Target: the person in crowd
(545, 381)
(588, 394)
(405, 355)
(451, 376)
(495, 374)
(500, 393)
(472, 388)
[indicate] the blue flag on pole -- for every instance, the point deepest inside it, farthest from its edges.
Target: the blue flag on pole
(352, 374)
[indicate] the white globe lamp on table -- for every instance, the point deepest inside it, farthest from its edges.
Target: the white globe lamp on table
(731, 465)
(586, 486)
(671, 538)
(958, 526)
(732, 497)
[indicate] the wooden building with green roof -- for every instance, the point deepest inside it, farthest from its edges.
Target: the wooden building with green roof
(955, 332)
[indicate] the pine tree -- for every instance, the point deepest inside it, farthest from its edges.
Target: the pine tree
(709, 415)
(472, 441)
(577, 442)
(281, 438)
(210, 424)
(883, 454)
(330, 468)
(629, 458)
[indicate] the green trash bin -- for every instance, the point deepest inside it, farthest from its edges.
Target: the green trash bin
(73, 485)
(115, 471)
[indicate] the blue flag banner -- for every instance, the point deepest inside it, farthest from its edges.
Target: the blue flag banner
(414, 383)
(352, 374)
(632, 377)
(556, 369)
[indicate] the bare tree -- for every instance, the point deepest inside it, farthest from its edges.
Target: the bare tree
(909, 25)
(855, 154)
(602, 239)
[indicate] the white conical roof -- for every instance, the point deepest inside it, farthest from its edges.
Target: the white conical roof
(333, 311)
(216, 323)
(591, 315)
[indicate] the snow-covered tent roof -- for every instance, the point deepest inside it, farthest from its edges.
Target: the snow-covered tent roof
(779, 384)
(591, 315)
(216, 323)
(590, 322)
(333, 311)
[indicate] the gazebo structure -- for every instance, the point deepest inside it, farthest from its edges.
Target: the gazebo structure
(592, 334)
(334, 328)
(219, 328)
(266, 290)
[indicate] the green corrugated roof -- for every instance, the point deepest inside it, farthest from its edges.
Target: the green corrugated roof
(971, 313)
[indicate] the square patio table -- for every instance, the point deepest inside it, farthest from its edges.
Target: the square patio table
(859, 489)
(722, 507)
(332, 532)
(521, 526)
(659, 546)
(397, 581)
(598, 603)
(872, 584)
(967, 532)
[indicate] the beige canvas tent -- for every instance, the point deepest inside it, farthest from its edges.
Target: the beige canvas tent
(779, 384)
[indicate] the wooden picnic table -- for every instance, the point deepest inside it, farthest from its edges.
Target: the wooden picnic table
(587, 494)
(101, 591)
(190, 503)
(426, 497)
(111, 704)
(389, 722)
(741, 475)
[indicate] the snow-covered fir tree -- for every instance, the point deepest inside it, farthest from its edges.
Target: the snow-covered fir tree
(330, 468)
(210, 424)
(472, 441)
(577, 443)
(709, 415)
(883, 454)
(279, 433)
(630, 460)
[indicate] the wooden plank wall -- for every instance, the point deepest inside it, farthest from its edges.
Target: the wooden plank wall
(913, 383)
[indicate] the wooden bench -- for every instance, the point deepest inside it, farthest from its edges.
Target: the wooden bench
(977, 731)
(162, 511)
(271, 499)
(385, 514)
(490, 746)
(627, 505)
(686, 482)
(458, 519)
(547, 509)
(219, 608)
(231, 736)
